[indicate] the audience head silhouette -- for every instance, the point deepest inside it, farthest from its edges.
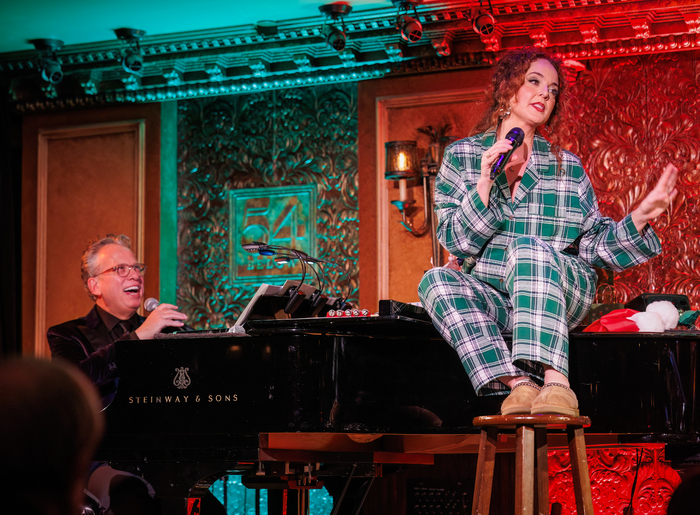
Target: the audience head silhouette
(50, 426)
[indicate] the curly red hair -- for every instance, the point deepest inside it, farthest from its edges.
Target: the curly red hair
(508, 77)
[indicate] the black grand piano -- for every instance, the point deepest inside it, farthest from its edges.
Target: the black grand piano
(291, 402)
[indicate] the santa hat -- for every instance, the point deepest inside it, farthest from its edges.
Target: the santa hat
(659, 316)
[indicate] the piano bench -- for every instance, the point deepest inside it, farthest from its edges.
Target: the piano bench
(531, 440)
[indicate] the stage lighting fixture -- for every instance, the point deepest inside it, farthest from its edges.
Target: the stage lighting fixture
(410, 28)
(484, 24)
(49, 66)
(132, 62)
(335, 37)
(267, 28)
(132, 58)
(51, 71)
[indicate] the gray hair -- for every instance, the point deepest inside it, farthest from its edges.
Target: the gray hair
(88, 262)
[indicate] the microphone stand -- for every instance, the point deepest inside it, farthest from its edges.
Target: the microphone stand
(317, 298)
(265, 249)
(286, 258)
(296, 296)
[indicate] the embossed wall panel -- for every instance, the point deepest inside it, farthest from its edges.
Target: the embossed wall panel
(613, 473)
(277, 138)
(631, 117)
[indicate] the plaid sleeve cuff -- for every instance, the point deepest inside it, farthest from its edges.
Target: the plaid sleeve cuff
(649, 244)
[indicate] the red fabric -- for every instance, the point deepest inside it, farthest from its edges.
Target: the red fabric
(614, 322)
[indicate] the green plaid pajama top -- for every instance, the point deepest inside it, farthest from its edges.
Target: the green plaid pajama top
(515, 276)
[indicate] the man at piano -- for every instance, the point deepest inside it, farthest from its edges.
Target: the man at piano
(529, 236)
(114, 280)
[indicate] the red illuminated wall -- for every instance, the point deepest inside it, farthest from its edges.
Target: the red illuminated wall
(631, 117)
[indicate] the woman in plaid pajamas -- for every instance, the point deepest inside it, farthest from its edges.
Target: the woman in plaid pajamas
(529, 239)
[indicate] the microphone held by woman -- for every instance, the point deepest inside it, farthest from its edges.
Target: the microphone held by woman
(515, 136)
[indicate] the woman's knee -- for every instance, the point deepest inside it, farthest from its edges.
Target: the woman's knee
(437, 277)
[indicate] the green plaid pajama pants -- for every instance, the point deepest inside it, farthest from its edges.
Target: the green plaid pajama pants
(545, 293)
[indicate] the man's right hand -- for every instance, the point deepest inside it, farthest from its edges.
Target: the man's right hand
(165, 315)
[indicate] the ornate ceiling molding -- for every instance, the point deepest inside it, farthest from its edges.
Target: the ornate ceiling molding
(239, 59)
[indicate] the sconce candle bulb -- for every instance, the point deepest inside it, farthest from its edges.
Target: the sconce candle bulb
(402, 190)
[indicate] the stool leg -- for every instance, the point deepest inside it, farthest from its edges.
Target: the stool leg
(542, 471)
(524, 470)
(484, 471)
(579, 469)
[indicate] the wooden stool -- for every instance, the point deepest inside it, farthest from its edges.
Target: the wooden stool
(531, 437)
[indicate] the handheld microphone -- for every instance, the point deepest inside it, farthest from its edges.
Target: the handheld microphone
(515, 136)
(151, 304)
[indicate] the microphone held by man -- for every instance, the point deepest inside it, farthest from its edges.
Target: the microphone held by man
(164, 318)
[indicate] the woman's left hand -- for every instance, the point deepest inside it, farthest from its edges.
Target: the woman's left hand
(658, 199)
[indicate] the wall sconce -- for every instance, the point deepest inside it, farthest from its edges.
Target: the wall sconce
(402, 165)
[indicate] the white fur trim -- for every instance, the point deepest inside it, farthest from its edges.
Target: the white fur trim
(648, 322)
(667, 311)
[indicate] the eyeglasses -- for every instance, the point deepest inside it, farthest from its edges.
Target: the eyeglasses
(124, 269)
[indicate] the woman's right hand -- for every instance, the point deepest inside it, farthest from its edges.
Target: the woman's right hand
(488, 159)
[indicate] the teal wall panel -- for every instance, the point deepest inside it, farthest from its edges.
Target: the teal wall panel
(296, 137)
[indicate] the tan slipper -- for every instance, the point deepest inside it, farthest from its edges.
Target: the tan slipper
(520, 400)
(557, 399)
